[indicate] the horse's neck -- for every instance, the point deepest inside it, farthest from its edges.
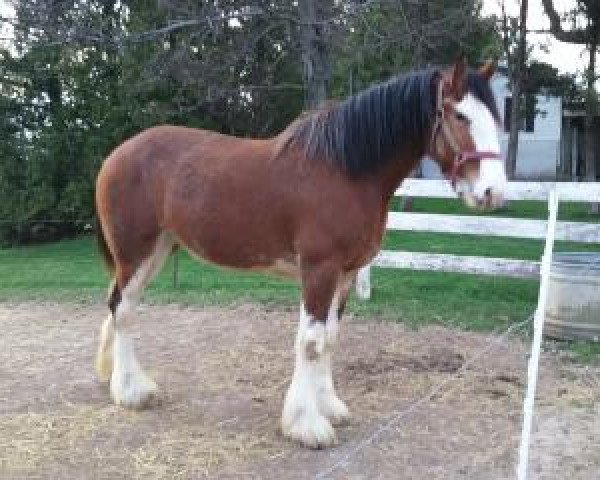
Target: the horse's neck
(400, 168)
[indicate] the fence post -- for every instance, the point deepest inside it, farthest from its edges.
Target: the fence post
(175, 269)
(538, 325)
(363, 282)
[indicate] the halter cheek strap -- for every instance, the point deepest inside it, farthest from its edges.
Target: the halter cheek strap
(441, 124)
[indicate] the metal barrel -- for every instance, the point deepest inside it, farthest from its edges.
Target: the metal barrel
(573, 308)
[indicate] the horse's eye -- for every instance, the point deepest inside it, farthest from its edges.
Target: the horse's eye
(460, 116)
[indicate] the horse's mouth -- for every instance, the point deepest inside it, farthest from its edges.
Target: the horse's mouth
(487, 203)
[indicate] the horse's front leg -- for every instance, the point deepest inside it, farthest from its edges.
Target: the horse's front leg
(311, 405)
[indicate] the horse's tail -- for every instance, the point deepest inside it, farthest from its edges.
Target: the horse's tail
(114, 293)
(103, 247)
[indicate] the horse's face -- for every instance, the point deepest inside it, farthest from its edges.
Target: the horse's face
(464, 138)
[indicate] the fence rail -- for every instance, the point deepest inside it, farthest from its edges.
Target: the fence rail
(458, 264)
(582, 232)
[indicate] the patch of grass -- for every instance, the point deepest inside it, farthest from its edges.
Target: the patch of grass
(586, 352)
(571, 211)
(72, 270)
(477, 245)
(466, 301)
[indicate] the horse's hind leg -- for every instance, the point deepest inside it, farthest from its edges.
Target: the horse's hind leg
(129, 384)
(104, 358)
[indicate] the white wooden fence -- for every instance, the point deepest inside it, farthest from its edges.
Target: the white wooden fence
(587, 192)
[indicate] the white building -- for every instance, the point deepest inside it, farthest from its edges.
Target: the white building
(538, 154)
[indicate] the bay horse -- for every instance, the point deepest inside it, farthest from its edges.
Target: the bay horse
(310, 203)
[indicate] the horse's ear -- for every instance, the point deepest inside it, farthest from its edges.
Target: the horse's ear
(459, 78)
(488, 69)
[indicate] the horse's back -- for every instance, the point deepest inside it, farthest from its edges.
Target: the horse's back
(202, 186)
(133, 180)
(148, 160)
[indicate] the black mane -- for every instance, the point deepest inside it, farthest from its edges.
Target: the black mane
(361, 133)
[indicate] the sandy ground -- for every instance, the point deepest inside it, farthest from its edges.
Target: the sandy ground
(223, 375)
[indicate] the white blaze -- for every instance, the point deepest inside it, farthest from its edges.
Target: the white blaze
(484, 132)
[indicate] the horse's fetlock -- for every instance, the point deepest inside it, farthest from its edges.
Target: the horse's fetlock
(314, 341)
(311, 350)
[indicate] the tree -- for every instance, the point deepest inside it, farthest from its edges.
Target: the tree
(314, 39)
(86, 74)
(385, 38)
(585, 30)
(543, 78)
(516, 63)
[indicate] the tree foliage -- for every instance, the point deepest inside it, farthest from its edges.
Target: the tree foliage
(583, 28)
(83, 75)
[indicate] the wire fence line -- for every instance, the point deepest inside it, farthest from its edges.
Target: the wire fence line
(345, 459)
(87, 225)
(50, 221)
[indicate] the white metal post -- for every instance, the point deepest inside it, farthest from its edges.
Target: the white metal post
(363, 282)
(540, 313)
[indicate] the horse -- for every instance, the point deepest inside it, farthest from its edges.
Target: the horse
(309, 203)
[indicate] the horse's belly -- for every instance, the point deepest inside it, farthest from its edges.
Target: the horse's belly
(241, 243)
(283, 265)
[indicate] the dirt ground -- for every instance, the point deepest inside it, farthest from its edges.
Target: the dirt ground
(223, 375)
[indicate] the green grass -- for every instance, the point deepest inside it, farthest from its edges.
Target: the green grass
(586, 352)
(572, 211)
(72, 270)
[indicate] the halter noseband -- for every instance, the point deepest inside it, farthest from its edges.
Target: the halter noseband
(460, 157)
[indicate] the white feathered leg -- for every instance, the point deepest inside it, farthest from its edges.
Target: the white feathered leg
(129, 384)
(311, 404)
(302, 419)
(329, 403)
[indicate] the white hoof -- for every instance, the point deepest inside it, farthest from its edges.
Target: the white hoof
(132, 389)
(334, 409)
(312, 431)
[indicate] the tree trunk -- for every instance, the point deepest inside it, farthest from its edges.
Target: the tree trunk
(315, 54)
(517, 80)
(590, 110)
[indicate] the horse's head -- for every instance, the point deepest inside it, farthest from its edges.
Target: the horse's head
(464, 137)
